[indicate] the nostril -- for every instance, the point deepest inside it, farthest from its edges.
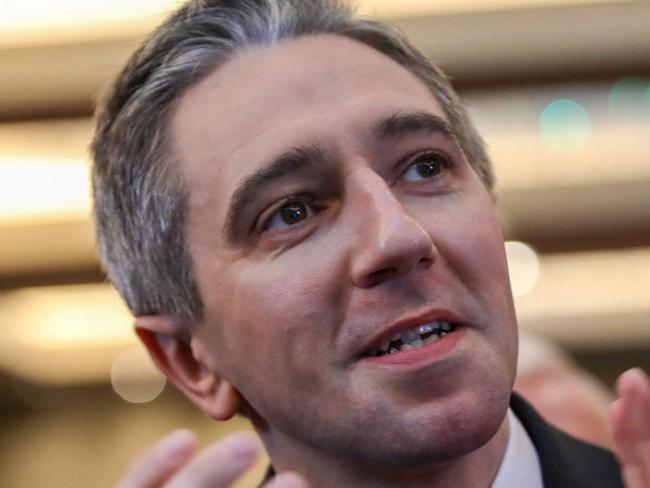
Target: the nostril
(424, 263)
(377, 277)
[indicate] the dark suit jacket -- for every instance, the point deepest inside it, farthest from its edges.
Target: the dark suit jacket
(566, 461)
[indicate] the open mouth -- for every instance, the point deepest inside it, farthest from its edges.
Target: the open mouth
(414, 338)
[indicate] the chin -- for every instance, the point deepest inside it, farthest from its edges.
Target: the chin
(459, 433)
(428, 435)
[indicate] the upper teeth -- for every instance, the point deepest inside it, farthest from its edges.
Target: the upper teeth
(413, 338)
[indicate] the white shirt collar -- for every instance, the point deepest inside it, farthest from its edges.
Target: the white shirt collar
(520, 465)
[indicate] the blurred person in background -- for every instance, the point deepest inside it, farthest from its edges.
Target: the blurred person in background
(549, 379)
(298, 211)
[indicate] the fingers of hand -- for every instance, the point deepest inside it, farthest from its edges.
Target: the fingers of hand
(631, 413)
(287, 480)
(219, 465)
(630, 417)
(161, 461)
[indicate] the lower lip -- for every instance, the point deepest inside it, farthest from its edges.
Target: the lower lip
(430, 353)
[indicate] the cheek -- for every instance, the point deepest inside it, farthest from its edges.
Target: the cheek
(284, 314)
(479, 262)
(277, 330)
(471, 248)
(484, 254)
(473, 245)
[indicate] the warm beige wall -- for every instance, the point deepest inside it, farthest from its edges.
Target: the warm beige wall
(586, 211)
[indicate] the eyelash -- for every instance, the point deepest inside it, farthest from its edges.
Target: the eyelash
(443, 159)
(302, 199)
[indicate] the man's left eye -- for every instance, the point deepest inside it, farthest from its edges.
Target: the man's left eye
(425, 166)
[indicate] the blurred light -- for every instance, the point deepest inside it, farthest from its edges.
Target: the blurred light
(57, 21)
(135, 378)
(53, 21)
(591, 299)
(36, 187)
(629, 98)
(565, 125)
(38, 13)
(63, 334)
(523, 267)
(403, 8)
(63, 317)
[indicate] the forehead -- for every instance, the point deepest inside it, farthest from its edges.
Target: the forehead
(326, 89)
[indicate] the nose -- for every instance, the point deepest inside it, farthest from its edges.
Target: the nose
(390, 242)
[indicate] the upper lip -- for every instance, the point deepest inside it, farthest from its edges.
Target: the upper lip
(409, 322)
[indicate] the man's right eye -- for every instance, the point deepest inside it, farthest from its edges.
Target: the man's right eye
(289, 213)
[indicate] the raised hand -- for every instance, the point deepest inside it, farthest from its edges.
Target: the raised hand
(630, 418)
(175, 463)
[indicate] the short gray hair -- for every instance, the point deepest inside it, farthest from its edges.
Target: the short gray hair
(139, 198)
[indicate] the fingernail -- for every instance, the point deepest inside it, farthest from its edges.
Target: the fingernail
(639, 376)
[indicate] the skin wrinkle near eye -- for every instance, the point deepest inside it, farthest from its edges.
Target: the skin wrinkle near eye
(282, 167)
(444, 163)
(448, 164)
(396, 126)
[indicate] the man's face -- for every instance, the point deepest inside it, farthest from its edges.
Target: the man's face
(331, 210)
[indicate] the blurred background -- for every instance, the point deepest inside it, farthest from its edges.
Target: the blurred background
(559, 88)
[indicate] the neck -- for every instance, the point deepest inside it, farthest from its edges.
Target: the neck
(476, 469)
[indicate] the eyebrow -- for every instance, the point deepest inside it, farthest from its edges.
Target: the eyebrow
(410, 123)
(287, 163)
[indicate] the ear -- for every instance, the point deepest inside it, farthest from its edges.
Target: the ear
(168, 341)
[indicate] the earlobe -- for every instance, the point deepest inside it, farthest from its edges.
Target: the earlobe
(225, 403)
(168, 342)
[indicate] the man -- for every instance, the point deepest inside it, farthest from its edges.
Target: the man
(296, 208)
